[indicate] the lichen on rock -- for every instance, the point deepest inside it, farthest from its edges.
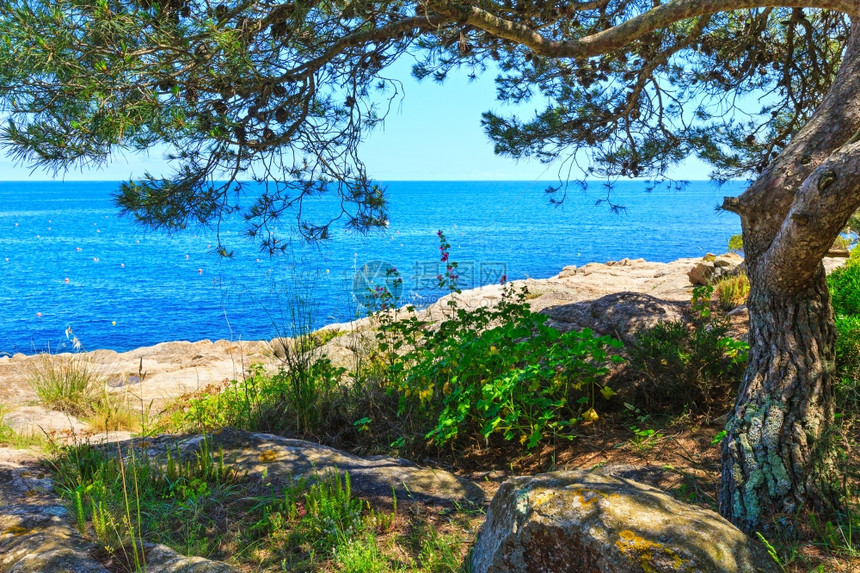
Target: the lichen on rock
(598, 522)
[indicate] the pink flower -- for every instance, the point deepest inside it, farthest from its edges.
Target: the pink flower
(444, 257)
(439, 233)
(503, 280)
(439, 277)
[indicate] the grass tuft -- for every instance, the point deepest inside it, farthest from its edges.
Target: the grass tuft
(70, 383)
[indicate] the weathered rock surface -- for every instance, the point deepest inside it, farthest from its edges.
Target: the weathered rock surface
(592, 522)
(280, 460)
(713, 267)
(163, 559)
(621, 315)
(169, 370)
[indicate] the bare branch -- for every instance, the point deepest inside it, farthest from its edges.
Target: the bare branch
(621, 35)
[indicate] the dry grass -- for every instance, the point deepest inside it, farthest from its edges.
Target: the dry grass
(77, 385)
(70, 383)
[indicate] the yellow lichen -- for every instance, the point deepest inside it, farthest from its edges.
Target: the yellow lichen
(587, 496)
(268, 456)
(17, 530)
(642, 551)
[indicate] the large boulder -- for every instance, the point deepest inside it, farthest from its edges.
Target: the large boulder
(592, 522)
(621, 315)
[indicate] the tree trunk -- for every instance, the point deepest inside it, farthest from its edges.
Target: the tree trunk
(778, 456)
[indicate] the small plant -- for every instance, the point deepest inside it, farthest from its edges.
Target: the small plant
(697, 365)
(771, 550)
(360, 555)
(736, 243)
(127, 498)
(323, 518)
(440, 553)
(732, 291)
(644, 439)
(71, 383)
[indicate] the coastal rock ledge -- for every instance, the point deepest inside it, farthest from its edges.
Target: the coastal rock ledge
(593, 522)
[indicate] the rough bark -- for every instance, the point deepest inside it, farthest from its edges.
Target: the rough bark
(778, 455)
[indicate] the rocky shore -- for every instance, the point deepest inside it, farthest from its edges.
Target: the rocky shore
(617, 298)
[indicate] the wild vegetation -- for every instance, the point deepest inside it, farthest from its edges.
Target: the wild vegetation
(286, 92)
(488, 389)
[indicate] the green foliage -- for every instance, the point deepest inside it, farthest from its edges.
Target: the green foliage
(848, 349)
(493, 371)
(361, 555)
(319, 514)
(736, 243)
(292, 400)
(844, 286)
(127, 498)
(698, 366)
(644, 439)
(287, 91)
(732, 291)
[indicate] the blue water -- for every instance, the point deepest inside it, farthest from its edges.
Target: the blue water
(128, 288)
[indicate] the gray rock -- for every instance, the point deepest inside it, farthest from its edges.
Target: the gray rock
(621, 314)
(712, 268)
(591, 522)
(163, 559)
(281, 460)
(701, 274)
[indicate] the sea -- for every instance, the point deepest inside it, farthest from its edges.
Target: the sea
(72, 270)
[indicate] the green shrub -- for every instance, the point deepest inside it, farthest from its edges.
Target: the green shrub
(127, 498)
(732, 291)
(736, 243)
(844, 285)
(848, 346)
(495, 371)
(697, 366)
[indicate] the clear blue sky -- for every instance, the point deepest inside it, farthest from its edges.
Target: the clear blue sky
(433, 134)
